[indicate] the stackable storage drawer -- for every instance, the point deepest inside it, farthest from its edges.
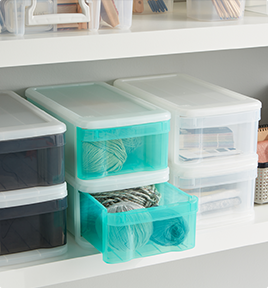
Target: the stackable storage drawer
(225, 191)
(31, 145)
(109, 132)
(207, 120)
(169, 226)
(32, 223)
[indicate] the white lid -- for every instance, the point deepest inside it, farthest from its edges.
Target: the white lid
(21, 119)
(32, 195)
(215, 166)
(124, 181)
(96, 105)
(188, 96)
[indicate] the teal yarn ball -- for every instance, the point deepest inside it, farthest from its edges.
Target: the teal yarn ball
(170, 232)
(103, 156)
(130, 237)
(131, 144)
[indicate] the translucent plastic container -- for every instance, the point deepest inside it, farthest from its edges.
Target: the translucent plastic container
(152, 6)
(207, 121)
(31, 145)
(32, 224)
(215, 10)
(225, 189)
(116, 13)
(109, 132)
(35, 16)
(258, 6)
(124, 236)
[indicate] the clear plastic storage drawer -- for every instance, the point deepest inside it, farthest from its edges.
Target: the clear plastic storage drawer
(207, 122)
(225, 190)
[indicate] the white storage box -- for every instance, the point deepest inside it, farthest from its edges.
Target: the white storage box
(35, 16)
(207, 121)
(225, 189)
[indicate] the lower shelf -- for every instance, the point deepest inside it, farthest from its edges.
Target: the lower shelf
(79, 263)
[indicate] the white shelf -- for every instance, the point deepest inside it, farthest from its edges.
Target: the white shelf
(150, 35)
(78, 263)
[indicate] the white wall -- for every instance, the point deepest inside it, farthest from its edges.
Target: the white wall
(244, 71)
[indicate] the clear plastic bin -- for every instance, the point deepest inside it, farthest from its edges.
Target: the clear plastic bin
(32, 224)
(225, 189)
(258, 6)
(215, 10)
(207, 121)
(168, 227)
(31, 145)
(116, 13)
(152, 6)
(35, 16)
(109, 132)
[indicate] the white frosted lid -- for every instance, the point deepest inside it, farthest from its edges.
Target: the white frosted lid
(96, 105)
(32, 195)
(20, 119)
(215, 166)
(188, 96)
(124, 181)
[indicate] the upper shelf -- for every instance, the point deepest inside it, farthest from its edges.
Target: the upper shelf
(78, 263)
(150, 35)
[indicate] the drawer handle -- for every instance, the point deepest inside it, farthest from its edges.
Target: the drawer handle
(58, 18)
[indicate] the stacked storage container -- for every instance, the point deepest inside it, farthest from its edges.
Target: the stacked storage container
(213, 140)
(33, 194)
(115, 141)
(35, 16)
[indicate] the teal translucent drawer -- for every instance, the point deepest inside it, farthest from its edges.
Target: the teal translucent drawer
(139, 233)
(109, 132)
(109, 152)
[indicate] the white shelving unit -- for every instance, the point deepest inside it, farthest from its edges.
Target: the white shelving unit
(150, 35)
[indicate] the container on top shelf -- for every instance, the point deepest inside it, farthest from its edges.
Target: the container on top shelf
(31, 145)
(109, 132)
(259, 6)
(168, 226)
(27, 16)
(225, 189)
(35, 16)
(215, 10)
(207, 120)
(152, 6)
(32, 224)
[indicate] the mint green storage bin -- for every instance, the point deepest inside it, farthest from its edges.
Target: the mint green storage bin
(140, 233)
(109, 132)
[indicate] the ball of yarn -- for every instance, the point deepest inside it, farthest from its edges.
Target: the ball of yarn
(130, 237)
(170, 232)
(103, 156)
(131, 144)
(146, 196)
